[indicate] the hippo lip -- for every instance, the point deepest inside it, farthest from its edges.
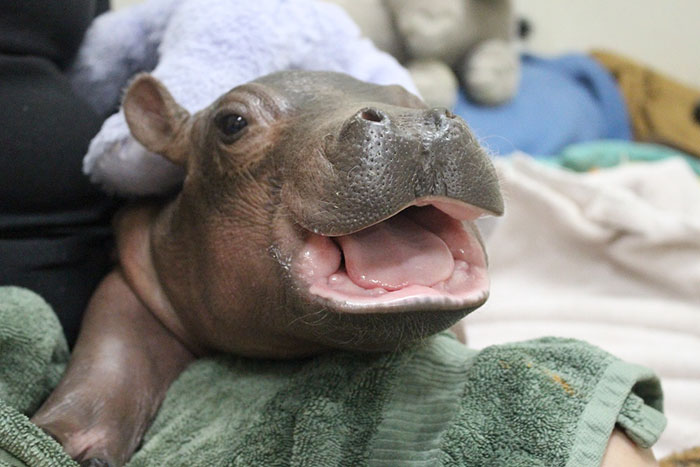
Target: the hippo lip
(425, 256)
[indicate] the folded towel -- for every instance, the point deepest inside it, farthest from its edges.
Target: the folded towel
(548, 402)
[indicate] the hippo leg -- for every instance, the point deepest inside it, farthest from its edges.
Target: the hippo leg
(123, 363)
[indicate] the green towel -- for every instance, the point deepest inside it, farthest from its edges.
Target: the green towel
(547, 402)
(33, 355)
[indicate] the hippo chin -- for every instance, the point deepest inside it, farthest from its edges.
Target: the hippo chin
(317, 212)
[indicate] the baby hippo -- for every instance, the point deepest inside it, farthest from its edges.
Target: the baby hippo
(317, 212)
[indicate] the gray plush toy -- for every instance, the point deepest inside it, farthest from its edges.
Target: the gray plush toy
(445, 43)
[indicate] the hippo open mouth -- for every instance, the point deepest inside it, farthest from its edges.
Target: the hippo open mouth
(428, 255)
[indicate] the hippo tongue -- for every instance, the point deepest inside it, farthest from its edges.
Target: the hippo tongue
(394, 254)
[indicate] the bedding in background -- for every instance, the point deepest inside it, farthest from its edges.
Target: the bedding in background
(561, 101)
(611, 257)
(583, 157)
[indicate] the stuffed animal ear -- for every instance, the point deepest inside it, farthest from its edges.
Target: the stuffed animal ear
(155, 119)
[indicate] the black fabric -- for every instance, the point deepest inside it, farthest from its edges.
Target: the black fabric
(101, 7)
(45, 28)
(54, 225)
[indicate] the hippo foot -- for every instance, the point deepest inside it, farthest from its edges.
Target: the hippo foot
(94, 431)
(94, 462)
(121, 367)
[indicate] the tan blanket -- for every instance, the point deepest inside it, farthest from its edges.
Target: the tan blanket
(661, 109)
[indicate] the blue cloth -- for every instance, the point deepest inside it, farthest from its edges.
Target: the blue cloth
(561, 101)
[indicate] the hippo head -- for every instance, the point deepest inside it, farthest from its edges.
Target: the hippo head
(318, 209)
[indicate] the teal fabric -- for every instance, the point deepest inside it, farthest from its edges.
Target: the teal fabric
(547, 402)
(583, 157)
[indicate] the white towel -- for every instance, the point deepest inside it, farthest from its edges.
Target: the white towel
(610, 257)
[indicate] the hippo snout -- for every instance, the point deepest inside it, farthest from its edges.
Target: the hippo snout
(385, 158)
(388, 211)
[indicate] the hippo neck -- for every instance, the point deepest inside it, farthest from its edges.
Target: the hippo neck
(174, 250)
(134, 245)
(209, 289)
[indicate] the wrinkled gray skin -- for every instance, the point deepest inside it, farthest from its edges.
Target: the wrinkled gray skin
(211, 270)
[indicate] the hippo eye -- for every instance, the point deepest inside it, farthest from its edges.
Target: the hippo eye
(231, 125)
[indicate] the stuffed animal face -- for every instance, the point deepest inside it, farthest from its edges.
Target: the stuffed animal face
(446, 43)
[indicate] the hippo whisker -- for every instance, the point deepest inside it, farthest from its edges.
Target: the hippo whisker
(321, 315)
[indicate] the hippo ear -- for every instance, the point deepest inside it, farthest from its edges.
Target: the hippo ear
(155, 119)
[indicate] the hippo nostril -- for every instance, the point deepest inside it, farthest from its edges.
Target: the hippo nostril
(440, 112)
(440, 116)
(372, 115)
